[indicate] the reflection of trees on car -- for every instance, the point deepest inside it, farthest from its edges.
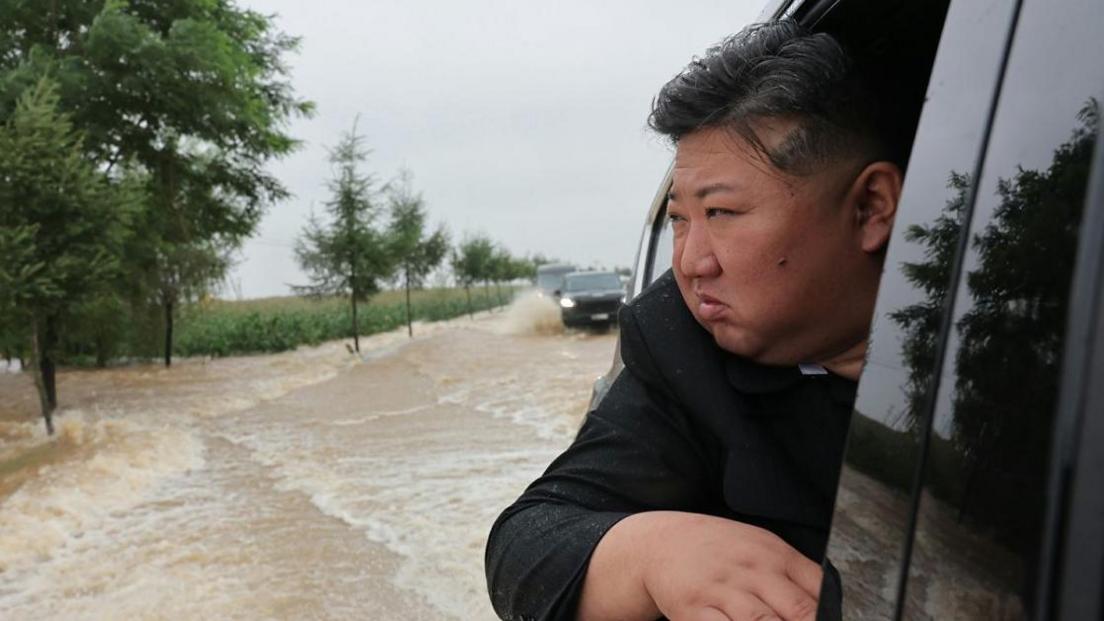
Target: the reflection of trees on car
(1010, 340)
(920, 322)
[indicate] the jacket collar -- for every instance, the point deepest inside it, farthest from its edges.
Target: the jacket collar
(757, 379)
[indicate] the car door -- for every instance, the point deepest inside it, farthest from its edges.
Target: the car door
(876, 498)
(981, 546)
(993, 347)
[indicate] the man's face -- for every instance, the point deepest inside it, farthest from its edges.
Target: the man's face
(772, 265)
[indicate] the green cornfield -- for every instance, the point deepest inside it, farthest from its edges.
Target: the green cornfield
(224, 328)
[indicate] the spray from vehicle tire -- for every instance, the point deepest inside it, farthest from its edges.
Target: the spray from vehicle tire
(533, 314)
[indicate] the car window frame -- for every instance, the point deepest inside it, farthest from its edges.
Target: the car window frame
(950, 300)
(1072, 561)
(644, 273)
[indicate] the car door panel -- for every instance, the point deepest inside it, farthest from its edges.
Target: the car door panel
(976, 552)
(875, 503)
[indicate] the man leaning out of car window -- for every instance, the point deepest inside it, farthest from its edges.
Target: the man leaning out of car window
(701, 487)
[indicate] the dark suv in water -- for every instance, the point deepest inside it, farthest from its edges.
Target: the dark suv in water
(973, 481)
(590, 299)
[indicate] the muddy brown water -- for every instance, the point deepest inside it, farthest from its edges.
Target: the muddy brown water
(307, 485)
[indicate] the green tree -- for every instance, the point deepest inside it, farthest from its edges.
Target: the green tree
(349, 255)
(415, 253)
(62, 226)
(192, 92)
(471, 263)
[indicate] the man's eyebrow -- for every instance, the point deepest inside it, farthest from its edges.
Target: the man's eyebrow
(705, 191)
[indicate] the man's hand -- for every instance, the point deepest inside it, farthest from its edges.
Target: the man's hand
(691, 567)
(705, 568)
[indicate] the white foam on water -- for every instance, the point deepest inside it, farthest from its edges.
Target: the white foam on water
(374, 416)
(19, 436)
(553, 407)
(113, 466)
(432, 505)
(431, 496)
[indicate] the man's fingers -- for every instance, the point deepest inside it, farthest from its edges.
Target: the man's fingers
(789, 600)
(743, 606)
(805, 574)
(707, 614)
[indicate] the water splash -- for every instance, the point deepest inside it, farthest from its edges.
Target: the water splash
(532, 314)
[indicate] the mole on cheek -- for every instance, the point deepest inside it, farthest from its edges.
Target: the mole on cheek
(782, 262)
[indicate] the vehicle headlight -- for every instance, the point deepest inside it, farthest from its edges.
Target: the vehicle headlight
(567, 303)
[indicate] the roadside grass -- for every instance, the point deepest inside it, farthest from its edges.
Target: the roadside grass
(224, 328)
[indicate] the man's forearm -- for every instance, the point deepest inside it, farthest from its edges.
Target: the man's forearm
(614, 588)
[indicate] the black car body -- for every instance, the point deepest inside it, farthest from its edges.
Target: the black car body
(973, 482)
(590, 299)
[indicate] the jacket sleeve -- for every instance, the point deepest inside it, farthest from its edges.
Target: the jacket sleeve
(635, 452)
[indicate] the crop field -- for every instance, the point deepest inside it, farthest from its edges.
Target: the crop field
(223, 328)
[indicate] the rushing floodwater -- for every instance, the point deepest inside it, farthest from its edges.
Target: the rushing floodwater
(306, 485)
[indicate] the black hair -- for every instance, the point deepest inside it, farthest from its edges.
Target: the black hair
(778, 70)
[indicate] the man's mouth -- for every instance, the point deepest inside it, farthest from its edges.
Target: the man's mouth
(709, 307)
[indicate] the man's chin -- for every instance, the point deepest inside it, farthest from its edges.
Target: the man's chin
(734, 341)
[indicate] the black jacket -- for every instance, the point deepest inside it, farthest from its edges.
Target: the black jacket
(685, 427)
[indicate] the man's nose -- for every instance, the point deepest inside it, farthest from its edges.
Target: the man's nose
(698, 259)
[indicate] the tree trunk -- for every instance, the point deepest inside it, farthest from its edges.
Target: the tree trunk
(49, 368)
(409, 319)
(168, 331)
(101, 352)
(356, 328)
(467, 290)
(40, 361)
(498, 292)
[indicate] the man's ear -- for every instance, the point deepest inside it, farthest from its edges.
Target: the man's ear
(873, 197)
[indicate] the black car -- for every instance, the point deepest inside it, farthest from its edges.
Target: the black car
(973, 482)
(590, 299)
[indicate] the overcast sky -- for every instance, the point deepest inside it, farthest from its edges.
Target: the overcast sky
(524, 121)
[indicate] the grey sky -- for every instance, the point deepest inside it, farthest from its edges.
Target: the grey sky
(521, 120)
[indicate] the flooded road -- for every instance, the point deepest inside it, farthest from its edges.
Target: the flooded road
(312, 484)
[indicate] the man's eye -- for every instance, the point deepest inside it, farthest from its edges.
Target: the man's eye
(674, 219)
(717, 211)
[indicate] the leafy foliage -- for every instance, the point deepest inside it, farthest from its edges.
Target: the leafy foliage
(189, 94)
(63, 223)
(473, 260)
(62, 226)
